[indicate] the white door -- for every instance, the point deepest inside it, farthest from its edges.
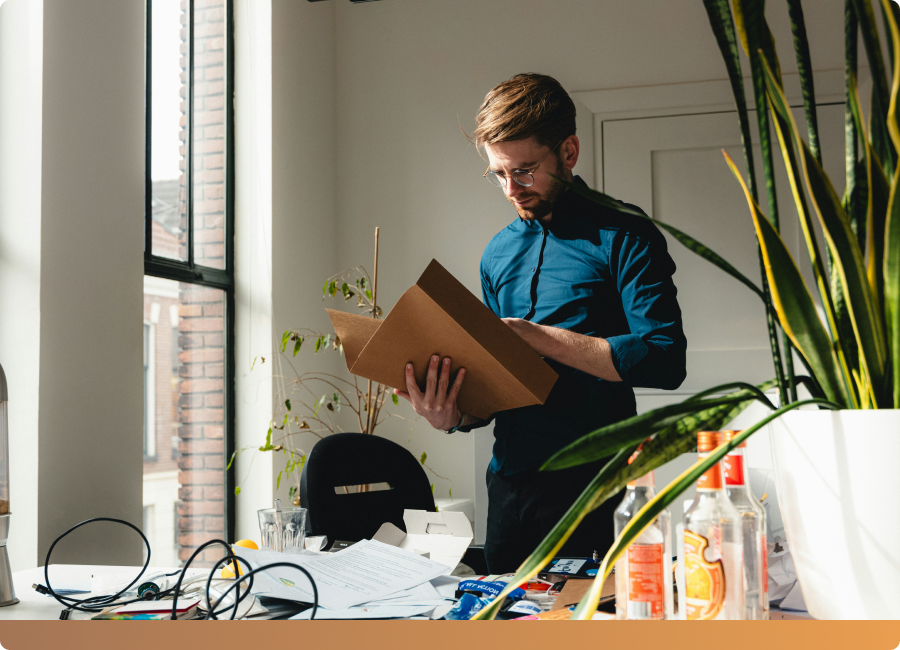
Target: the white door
(673, 168)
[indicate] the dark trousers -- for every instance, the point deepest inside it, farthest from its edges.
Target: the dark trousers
(524, 507)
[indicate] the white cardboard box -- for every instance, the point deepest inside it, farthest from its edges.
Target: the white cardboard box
(442, 536)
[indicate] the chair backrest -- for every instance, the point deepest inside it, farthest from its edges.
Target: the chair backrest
(345, 459)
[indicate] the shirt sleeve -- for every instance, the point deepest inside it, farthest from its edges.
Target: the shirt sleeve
(653, 354)
(490, 299)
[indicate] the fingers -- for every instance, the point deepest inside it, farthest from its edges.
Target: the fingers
(457, 384)
(431, 380)
(413, 392)
(443, 381)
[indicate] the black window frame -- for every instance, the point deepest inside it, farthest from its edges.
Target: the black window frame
(188, 271)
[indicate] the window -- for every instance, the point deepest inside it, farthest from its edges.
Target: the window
(189, 274)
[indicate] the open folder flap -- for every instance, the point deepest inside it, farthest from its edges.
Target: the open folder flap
(438, 315)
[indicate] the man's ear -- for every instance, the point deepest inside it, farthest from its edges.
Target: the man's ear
(568, 152)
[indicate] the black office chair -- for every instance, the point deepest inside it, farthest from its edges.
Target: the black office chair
(358, 459)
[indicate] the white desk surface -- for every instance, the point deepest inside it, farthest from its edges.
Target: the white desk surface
(35, 606)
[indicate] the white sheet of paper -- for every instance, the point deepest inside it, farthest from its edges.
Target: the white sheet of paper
(364, 572)
(446, 586)
(399, 611)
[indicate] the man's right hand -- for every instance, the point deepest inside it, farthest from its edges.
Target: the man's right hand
(437, 404)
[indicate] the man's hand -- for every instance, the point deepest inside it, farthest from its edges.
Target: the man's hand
(590, 354)
(437, 403)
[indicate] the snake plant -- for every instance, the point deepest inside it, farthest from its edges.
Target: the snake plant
(852, 355)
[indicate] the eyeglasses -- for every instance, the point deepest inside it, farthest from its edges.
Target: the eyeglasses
(524, 177)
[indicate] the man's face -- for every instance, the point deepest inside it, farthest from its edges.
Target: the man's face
(536, 201)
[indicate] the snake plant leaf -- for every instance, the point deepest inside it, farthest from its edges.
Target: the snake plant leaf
(720, 20)
(793, 302)
(880, 93)
(665, 498)
(755, 26)
(667, 444)
(846, 254)
(683, 238)
(856, 172)
(891, 269)
(804, 68)
(608, 440)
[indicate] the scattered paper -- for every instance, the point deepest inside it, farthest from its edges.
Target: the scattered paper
(364, 572)
(398, 611)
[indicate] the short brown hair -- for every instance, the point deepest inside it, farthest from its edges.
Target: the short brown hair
(525, 105)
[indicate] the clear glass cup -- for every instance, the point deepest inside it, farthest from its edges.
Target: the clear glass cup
(279, 530)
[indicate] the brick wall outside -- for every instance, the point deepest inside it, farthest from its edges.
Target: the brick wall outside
(201, 342)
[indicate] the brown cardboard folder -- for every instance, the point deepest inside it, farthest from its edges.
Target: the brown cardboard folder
(438, 315)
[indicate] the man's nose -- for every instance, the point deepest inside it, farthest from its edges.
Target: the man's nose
(513, 189)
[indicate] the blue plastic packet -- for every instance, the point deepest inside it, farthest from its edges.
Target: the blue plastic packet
(466, 608)
(489, 588)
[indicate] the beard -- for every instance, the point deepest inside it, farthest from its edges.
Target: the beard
(545, 202)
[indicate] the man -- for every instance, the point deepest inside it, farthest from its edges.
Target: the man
(590, 289)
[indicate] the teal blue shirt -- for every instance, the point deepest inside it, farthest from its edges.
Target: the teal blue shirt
(597, 272)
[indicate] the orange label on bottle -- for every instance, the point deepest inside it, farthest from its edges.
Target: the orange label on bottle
(704, 581)
(764, 564)
(646, 585)
(733, 468)
(712, 478)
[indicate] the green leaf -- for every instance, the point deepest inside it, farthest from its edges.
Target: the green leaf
(284, 339)
(253, 365)
(319, 343)
(450, 493)
(804, 68)
(324, 289)
(284, 422)
(686, 240)
(846, 255)
(231, 461)
(666, 497)
(278, 481)
(423, 458)
(237, 491)
(880, 94)
(720, 20)
(395, 399)
(292, 491)
(432, 489)
(793, 302)
(612, 438)
(287, 404)
(668, 443)
(368, 294)
(297, 345)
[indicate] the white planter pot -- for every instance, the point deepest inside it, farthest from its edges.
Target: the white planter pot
(839, 494)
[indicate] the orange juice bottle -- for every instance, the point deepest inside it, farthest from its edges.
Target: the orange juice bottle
(710, 548)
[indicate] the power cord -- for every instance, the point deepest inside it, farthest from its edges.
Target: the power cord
(96, 604)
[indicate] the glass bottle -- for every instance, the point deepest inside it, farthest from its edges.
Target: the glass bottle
(710, 549)
(753, 528)
(644, 572)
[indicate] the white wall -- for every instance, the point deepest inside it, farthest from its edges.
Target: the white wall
(71, 268)
(90, 409)
(410, 74)
(21, 40)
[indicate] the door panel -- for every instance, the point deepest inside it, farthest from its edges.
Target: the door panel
(673, 168)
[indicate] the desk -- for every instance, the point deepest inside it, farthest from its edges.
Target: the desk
(35, 606)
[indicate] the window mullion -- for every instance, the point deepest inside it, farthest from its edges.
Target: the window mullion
(189, 138)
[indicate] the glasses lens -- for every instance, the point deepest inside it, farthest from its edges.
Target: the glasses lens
(525, 180)
(495, 179)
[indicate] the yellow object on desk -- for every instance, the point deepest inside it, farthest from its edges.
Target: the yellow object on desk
(228, 569)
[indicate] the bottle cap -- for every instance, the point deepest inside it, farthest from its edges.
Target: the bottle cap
(707, 440)
(729, 434)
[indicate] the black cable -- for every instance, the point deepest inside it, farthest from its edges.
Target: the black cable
(264, 567)
(97, 603)
(231, 556)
